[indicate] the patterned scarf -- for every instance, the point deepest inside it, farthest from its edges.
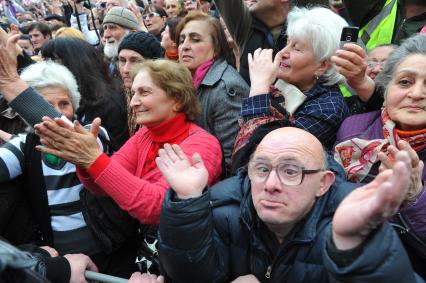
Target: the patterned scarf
(357, 156)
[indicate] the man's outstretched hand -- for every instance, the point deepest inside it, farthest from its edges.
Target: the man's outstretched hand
(369, 206)
(185, 178)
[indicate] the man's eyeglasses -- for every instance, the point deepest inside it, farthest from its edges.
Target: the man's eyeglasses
(373, 64)
(288, 174)
(150, 15)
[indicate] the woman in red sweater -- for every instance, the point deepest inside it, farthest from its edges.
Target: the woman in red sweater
(165, 104)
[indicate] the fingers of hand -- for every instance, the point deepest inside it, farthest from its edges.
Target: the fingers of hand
(171, 153)
(392, 192)
(403, 145)
(179, 152)
(50, 150)
(352, 47)
(164, 159)
(197, 160)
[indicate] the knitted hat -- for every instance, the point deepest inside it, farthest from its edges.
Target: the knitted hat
(122, 17)
(143, 43)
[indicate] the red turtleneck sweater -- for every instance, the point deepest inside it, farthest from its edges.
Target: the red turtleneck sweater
(131, 176)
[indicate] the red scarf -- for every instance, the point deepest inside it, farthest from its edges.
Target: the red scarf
(201, 73)
(172, 131)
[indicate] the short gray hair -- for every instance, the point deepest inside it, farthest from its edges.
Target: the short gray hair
(322, 28)
(48, 74)
(416, 44)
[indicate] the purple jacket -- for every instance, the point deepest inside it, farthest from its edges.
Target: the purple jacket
(369, 126)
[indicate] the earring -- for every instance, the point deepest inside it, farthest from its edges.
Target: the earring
(316, 77)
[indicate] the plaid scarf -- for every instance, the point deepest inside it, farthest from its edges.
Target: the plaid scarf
(357, 156)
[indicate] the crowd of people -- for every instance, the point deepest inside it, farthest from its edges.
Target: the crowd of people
(212, 140)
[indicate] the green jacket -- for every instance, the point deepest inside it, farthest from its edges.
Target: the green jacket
(362, 11)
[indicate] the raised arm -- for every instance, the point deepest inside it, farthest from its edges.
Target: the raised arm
(24, 100)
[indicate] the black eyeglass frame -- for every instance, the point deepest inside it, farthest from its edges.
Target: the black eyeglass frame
(304, 172)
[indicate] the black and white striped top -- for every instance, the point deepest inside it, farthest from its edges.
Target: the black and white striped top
(70, 231)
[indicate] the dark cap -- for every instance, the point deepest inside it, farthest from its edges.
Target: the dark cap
(143, 43)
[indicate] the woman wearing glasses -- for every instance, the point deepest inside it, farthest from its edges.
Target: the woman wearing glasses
(155, 18)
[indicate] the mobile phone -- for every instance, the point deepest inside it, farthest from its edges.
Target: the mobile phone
(349, 34)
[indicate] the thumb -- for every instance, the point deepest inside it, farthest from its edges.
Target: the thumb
(96, 124)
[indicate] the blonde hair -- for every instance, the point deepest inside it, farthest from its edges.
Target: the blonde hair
(175, 79)
(69, 32)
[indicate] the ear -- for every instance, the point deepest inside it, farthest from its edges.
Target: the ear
(323, 67)
(177, 107)
(326, 181)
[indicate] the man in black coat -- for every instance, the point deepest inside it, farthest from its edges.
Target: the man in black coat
(288, 219)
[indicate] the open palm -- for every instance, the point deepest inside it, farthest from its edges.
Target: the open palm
(369, 206)
(186, 179)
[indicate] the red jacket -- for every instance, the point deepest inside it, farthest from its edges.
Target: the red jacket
(120, 177)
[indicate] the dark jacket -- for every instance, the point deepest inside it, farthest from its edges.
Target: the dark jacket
(218, 237)
(362, 11)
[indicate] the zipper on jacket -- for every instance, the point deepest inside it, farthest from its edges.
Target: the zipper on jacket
(268, 272)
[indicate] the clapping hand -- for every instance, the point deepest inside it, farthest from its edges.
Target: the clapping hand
(186, 179)
(369, 206)
(388, 161)
(263, 70)
(72, 143)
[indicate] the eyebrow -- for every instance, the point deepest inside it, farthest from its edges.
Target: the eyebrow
(411, 72)
(191, 34)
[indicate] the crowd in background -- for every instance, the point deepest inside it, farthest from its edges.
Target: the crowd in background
(213, 140)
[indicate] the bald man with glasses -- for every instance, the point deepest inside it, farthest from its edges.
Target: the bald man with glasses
(288, 217)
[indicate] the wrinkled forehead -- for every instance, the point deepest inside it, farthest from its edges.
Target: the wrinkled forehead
(291, 144)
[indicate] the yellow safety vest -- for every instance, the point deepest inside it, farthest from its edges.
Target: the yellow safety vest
(345, 91)
(380, 29)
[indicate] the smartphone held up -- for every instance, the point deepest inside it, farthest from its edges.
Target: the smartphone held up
(349, 35)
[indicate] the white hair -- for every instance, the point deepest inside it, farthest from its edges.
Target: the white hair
(48, 74)
(322, 28)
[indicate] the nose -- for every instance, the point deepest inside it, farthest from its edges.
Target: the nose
(272, 183)
(107, 32)
(377, 69)
(185, 44)
(418, 91)
(134, 101)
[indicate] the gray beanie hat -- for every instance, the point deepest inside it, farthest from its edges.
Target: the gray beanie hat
(122, 17)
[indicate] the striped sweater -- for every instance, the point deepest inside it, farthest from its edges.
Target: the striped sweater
(70, 231)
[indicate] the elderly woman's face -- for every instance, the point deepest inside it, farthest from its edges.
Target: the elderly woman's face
(406, 96)
(195, 44)
(59, 98)
(298, 65)
(150, 103)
